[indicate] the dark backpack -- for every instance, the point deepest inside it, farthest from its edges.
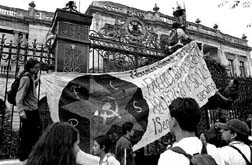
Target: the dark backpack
(244, 157)
(197, 159)
(11, 94)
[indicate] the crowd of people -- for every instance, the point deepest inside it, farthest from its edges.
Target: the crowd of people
(59, 143)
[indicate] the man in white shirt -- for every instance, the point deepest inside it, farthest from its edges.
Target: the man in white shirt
(184, 118)
(235, 132)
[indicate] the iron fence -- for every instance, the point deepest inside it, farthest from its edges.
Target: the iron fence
(13, 56)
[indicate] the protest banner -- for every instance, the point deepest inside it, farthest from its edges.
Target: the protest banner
(104, 101)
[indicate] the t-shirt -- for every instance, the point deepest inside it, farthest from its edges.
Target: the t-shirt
(231, 156)
(122, 145)
(109, 159)
(83, 158)
(190, 145)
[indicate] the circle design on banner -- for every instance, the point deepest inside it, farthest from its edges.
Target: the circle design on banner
(100, 104)
(73, 122)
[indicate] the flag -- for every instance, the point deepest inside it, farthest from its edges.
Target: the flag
(100, 103)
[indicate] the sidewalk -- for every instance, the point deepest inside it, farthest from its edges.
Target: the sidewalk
(10, 162)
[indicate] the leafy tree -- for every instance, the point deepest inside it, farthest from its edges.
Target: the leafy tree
(235, 3)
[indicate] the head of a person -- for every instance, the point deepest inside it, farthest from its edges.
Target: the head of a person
(58, 144)
(234, 130)
(101, 145)
(234, 84)
(127, 129)
(185, 113)
(180, 32)
(32, 65)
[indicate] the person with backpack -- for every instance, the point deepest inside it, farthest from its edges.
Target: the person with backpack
(238, 152)
(188, 148)
(27, 107)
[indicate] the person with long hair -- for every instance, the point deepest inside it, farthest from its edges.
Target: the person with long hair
(58, 145)
(101, 148)
(27, 107)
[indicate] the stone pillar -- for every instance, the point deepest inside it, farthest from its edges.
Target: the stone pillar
(71, 43)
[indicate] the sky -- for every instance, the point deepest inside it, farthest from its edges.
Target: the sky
(230, 21)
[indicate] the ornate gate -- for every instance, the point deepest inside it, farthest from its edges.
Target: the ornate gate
(123, 46)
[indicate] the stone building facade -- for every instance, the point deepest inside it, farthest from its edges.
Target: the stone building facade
(33, 24)
(30, 26)
(232, 52)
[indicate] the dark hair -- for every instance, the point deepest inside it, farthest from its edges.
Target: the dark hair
(127, 126)
(103, 140)
(55, 146)
(240, 137)
(187, 113)
(30, 63)
(236, 83)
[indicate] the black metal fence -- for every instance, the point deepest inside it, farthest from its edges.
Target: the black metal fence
(112, 49)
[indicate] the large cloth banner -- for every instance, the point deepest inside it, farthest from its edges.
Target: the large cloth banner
(104, 102)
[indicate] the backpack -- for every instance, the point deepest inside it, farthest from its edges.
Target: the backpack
(244, 157)
(11, 94)
(197, 159)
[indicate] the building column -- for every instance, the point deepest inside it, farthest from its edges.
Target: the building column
(71, 43)
(237, 66)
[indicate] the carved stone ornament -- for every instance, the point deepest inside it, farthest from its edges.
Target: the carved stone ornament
(72, 60)
(135, 28)
(73, 31)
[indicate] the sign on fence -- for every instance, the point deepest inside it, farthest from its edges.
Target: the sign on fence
(105, 101)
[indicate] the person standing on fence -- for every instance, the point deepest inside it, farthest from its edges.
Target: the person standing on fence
(224, 99)
(235, 132)
(124, 152)
(27, 107)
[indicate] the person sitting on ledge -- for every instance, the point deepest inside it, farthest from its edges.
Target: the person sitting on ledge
(177, 38)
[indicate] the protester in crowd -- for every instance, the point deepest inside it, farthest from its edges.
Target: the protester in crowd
(101, 148)
(235, 132)
(124, 151)
(27, 107)
(59, 144)
(184, 118)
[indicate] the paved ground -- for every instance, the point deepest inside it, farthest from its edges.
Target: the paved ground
(10, 162)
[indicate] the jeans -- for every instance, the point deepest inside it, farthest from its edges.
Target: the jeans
(29, 133)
